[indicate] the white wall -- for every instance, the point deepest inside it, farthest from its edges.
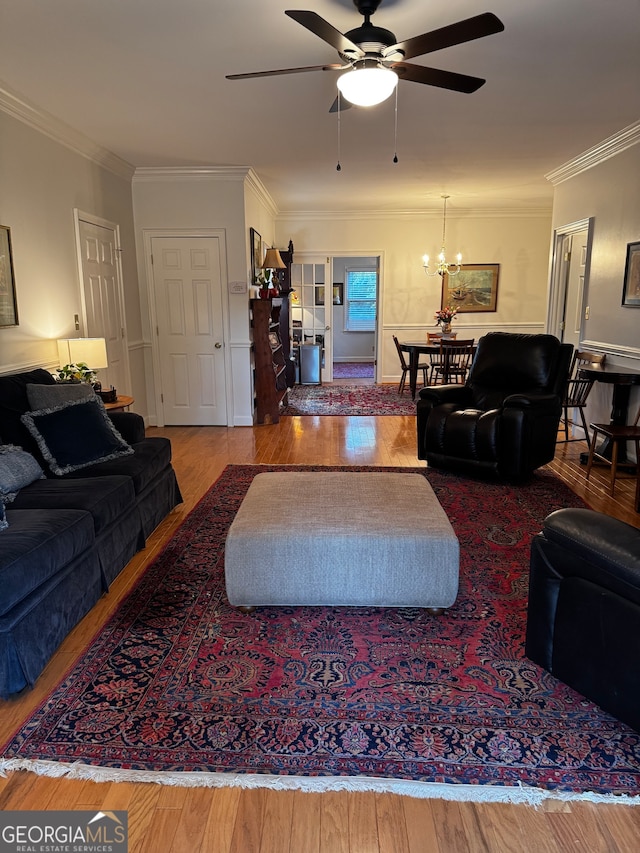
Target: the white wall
(610, 193)
(41, 181)
(188, 201)
(520, 244)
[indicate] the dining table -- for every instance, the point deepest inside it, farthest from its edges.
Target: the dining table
(414, 349)
(622, 379)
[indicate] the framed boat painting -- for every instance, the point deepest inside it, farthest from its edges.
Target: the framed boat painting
(8, 303)
(631, 287)
(473, 289)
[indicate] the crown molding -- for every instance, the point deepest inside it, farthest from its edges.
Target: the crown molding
(468, 213)
(191, 173)
(616, 144)
(255, 184)
(20, 108)
(242, 174)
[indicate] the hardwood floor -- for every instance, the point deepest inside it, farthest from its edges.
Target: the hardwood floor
(183, 820)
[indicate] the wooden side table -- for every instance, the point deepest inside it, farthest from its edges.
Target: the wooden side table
(120, 405)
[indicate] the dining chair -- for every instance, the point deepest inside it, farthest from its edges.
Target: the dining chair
(578, 390)
(616, 435)
(423, 366)
(455, 357)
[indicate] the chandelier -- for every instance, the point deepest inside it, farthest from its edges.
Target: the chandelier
(442, 266)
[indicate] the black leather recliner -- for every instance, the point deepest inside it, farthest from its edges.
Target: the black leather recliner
(503, 421)
(583, 623)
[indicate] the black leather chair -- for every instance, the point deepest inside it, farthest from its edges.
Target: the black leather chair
(503, 421)
(583, 622)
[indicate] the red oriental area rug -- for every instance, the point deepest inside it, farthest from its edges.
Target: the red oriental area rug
(368, 400)
(182, 689)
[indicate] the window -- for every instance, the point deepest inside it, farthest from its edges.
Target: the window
(360, 300)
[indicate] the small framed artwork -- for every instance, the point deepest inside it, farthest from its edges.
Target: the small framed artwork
(8, 303)
(473, 289)
(338, 293)
(631, 287)
(319, 294)
(256, 254)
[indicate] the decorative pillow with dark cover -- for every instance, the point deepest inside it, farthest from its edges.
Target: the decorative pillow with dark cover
(18, 469)
(75, 435)
(47, 396)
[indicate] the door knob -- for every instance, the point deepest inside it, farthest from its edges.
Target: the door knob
(326, 328)
(218, 345)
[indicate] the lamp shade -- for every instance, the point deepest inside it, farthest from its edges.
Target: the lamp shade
(273, 261)
(90, 351)
(367, 87)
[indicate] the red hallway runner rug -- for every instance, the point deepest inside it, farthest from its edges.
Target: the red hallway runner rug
(180, 688)
(364, 400)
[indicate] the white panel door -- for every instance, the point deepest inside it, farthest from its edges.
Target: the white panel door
(187, 283)
(312, 307)
(574, 299)
(103, 298)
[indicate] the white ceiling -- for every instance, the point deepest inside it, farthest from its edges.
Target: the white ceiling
(146, 80)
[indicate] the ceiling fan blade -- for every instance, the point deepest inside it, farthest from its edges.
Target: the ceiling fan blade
(275, 73)
(437, 77)
(344, 105)
(324, 30)
(472, 28)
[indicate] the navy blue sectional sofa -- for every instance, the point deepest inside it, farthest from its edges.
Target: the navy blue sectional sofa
(66, 536)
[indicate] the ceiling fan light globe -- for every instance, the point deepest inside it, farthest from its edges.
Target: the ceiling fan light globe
(366, 87)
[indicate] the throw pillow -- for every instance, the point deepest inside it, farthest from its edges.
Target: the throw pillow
(48, 396)
(17, 470)
(75, 435)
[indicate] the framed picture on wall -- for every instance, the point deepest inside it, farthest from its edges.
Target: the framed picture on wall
(473, 289)
(256, 254)
(338, 293)
(8, 303)
(631, 287)
(319, 294)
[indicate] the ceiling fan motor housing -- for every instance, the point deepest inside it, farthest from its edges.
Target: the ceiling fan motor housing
(371, 39)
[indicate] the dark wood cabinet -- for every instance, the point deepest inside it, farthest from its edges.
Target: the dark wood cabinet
(269, 363)
(274, 371)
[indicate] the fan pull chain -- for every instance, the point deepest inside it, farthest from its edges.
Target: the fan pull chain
(395, 138)
(338, 167)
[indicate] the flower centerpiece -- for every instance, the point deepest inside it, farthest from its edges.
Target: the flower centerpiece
(79, 372)
(444, 316)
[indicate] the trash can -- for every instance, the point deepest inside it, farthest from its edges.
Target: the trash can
(310, 364)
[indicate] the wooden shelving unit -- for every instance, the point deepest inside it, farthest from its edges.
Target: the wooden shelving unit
(270, 364)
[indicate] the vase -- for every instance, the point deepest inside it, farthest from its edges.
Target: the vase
(446, 328)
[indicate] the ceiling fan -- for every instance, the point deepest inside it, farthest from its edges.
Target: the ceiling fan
(373, 59)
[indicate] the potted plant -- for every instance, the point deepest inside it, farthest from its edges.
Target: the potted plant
(79, 372)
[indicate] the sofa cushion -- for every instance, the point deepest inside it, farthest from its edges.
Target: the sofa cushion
(48, 396)
(14, 403)
(17, 470)
(106, 498)
(150, 457)
(75, 435)
(36, 545)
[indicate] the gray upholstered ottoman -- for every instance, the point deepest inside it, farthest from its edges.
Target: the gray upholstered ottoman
(341, 538)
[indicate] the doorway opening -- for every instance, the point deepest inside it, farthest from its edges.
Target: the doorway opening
(356, 282)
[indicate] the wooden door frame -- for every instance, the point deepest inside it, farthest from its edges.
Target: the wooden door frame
(558, 278)
(82, 216)
(148, 234)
